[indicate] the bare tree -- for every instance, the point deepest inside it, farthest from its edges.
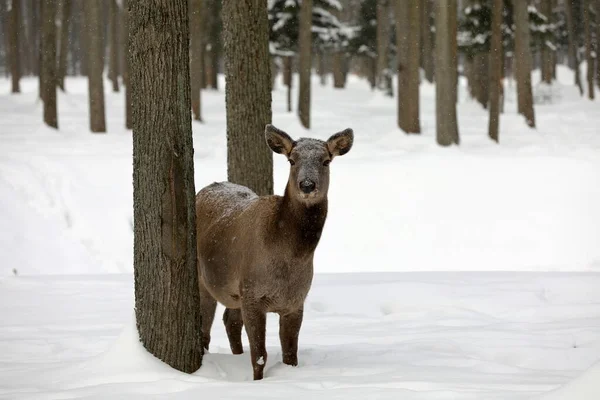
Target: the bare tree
(495, 69)
(49, 63)
(65, 19)
(407, 42)
(14, 16)
(445, 67)
(383, 40)
(95, 65)
(167, 299)
(523, 62)
(305, 50)
(212, 53)
(248, 94)
(547, 53)
(426, 40)
(196, 55)
(589, 51)
(288, 79)
(574, 60)
(113, 35)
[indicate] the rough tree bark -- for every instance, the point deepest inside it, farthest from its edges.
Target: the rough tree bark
(196, 56)
(445, 64)
(49, 63)
(126, 66)
(574, 60)
(14, 18)
(113, 69)
(495, 69)
(547, 53)
(64, 42)
(167, 300)
(588, 47)
(248, 94)
(95, 65)
(523, 62)
(407, 39)
(426, 41)
(304, 62)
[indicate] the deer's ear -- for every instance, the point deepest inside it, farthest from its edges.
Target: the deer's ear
(279, 141)
(340, 143)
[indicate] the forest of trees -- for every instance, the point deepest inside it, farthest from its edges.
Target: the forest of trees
(375, 39)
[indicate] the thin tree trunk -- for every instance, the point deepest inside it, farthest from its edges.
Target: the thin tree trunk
(212, 53)
(34, 36)
(127, 67)
(383, 40)
(445, 64)
(481, 77)
(426, 40)
(588, 47)
(547, 53)
(13, 44)
(24, 40)
(196, 55)
(167, 300)
(288, 79)
(408, 32)
(339, 77)
(322, 69)
(95, 65)
(83, 38)
(523, 62)
(49, 63)
(246, 45)
(40, 53)
(495, 65)
(573, 44)
(114, 72)
(304, 61)
(64, 42)
(453, 30)
(598, 43)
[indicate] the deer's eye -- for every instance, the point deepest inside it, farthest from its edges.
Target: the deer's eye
(292, 162)
(326, 163)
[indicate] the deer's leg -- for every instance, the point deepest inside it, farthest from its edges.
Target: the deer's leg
(255, 320)
(289, 330)
(232, 318)
(208, 306)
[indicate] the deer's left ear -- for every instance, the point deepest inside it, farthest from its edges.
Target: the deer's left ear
(340, 143)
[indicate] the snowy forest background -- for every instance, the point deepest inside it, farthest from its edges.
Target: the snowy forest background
(460, 257)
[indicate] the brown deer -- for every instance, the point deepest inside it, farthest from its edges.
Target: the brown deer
(255, 254)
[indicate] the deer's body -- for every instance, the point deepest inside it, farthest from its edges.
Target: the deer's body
(255, 254)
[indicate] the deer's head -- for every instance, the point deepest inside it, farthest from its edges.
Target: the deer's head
(309, 161)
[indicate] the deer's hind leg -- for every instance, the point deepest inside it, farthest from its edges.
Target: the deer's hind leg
(232, 318)
(208, 306)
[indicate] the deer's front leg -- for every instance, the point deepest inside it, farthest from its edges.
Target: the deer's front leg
(255, 321)
(289, 330)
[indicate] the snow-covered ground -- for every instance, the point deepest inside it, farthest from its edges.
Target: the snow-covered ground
(377, 325)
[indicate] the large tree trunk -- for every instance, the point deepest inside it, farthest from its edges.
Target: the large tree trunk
(523, 62)
(574, 60)
(383, 40)
(288, 79)
(588, 47)
(407, 39)
(304, 62)
(167, 299)
(64, 42)
(547, 53)
(426, 40)
(95, 65)
(248, 94)
(126, 66)
(495, 69)
(113, 69)
(196, 55)
(13, 44)
(49, 63)
(445, 66)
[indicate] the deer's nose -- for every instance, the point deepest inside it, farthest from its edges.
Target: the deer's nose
(307, 186)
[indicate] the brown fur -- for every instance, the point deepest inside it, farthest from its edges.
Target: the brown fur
(255, 254)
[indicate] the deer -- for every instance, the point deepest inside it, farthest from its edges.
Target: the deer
(255, 253)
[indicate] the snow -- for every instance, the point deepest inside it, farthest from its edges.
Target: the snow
(467, 272)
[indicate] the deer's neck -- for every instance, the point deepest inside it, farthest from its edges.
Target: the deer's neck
(302, 223)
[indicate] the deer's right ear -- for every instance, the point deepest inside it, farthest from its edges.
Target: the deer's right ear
(279, 141)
